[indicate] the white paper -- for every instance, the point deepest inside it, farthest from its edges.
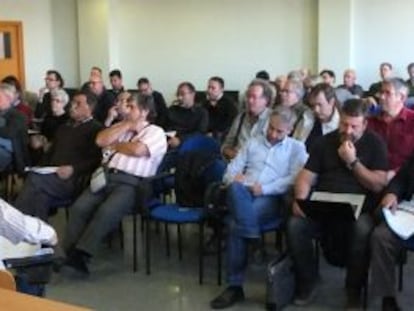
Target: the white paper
(10, 250)
(171, 133)
(402, 220)
(356, 200)
(42, 169)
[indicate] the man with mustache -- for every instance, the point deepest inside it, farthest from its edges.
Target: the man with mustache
(348, 160)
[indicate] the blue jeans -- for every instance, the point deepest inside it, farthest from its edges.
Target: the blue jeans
(247, 213)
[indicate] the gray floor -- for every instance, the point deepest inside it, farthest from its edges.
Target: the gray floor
(173, 285)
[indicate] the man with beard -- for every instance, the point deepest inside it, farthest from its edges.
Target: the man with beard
(348, 160)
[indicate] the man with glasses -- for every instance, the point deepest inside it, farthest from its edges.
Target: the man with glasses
(145, 88)
(395, 123)
(53, 81)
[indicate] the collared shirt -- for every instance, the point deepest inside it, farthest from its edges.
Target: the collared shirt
(398, 135)
(248, 129)
(274, 167)
(153, 137)
(17, 227)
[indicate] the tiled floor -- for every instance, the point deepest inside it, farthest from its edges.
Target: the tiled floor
(173, 285)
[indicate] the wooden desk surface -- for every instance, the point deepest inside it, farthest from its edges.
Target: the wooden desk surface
(14, 301)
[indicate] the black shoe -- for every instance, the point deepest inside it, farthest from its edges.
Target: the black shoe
(306, 296)
(228, 297)
(353, 301)
(390, 304)
(77, 260)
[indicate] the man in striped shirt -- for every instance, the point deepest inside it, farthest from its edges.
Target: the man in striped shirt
(134, 149)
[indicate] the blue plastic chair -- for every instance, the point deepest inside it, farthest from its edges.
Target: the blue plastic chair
(179, 215)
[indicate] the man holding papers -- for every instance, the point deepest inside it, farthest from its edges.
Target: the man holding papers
(386, 245)
(348, 160)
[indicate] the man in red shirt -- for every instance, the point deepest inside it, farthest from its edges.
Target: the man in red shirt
(395, 124)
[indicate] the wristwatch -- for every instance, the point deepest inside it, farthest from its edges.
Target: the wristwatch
(351, 165)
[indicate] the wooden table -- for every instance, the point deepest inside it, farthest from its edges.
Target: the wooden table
(14, 301)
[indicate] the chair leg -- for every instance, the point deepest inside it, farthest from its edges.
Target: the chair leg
(279, 240)
(201, 253)
(147, 246)
(167, 239)
(403, 258)
(219, 258)
(142, 224)
(121, 235)
(180, 247)
(317, 254)
(134, 242)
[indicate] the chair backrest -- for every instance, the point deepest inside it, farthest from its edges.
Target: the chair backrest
(7, 280)
(200, 143)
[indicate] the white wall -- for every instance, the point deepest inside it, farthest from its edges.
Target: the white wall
(37, 36)
(173, 41)
(383, 31)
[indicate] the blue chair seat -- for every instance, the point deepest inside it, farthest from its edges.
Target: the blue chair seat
(275, 224)
(172, 213)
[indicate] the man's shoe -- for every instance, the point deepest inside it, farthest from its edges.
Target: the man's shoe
(305, 297)
(77, 261)
(228, 297)
(390, 304)
(353, 301)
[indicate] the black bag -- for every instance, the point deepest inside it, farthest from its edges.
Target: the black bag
(190, 183)
(280, 283)
(335, 243)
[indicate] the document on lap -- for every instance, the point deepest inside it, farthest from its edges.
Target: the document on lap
(355, 200)
(42, 169)
(401, 221)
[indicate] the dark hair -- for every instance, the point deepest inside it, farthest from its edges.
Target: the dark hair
(386, 64)
(143, 80)
(219, 80)
(187, 84)
(410, 65)
(116, 73)
(13, 81)
(263, 74)
(326, 89)
(57, 75)
(91, 99)
(328, 72)
(145, 102)
(354, 108)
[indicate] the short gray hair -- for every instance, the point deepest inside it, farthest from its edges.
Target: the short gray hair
(398, 84)
(8, 89)
(286, 115)
(269, 91)
(298, 87)
(61, 95)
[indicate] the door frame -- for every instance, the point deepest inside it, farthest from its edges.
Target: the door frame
(19, 26)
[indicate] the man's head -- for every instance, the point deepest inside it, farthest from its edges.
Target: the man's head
(410, 70)
(95, 72)
(292, 93)
(349, 77)
(144, 86)
(280, 82)
(393, 94)
(59, 100)
(323, 102)
(7, 95)
(215, 88)
(281, 123)
(353, 120)
(82, 106)
(96, 85)
(328, 76)
(115, 77)
(53, 80)
(263, 74)
(121, 104)
(259, 95)
(385, 71)
(186, 94)
(140, 108)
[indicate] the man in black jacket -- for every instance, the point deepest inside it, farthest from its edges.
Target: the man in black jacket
(73, 155)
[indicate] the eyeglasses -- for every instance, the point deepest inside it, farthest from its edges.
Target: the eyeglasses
(286, 91)
(50, 79)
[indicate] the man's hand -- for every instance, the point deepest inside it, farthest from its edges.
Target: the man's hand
(230, 153)
(174, 142)
(390, 175)
(347, 152)
(297, 211)
(111, 116)
(65, 171)
(256, 189)
(239, 178)
(389, 201)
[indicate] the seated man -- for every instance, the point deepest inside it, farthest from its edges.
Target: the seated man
(115, 78)
(328, 77)
(395, 123)
(13, 133)
(134, 150)
(348, 160)
(221, 109)
(105, 99)
(322, 119)
(253, 121)
(385, 70)
(292, 97)
(74, 154)
(385, 245)
(118, 111)
(15, 228)
(261, 172)
(350, 83)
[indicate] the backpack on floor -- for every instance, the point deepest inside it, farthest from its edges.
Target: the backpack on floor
(280, 283)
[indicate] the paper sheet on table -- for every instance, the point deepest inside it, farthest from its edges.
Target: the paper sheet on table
(401, 222)
(356, 200)
(10, 250)
(42, 169)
